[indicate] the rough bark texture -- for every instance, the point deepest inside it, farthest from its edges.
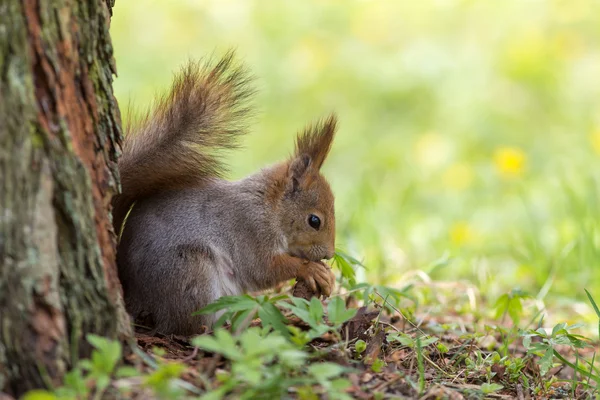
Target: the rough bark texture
(59, 136)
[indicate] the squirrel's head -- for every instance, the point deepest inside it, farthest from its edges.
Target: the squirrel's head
(306, 207)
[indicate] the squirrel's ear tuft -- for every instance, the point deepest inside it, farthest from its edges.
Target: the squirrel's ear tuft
(297, 172)
(315, 142)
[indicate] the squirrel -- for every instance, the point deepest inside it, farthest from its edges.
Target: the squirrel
(188, 236)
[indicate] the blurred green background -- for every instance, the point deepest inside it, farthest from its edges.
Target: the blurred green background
(470, 130)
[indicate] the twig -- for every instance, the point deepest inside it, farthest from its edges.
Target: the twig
(191, 356)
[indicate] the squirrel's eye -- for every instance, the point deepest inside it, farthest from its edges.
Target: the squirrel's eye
(314, 221)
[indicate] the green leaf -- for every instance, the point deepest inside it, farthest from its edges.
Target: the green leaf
(225, 339)
(340, 384)
(208, 343)
(226, 316)
(300, 302)
(559, 328)
(271, 316)
(292, 357)
(515, 310)
(342, 261)
(501, 305)
(348, 258)
(337, 312)
(232, 303)
(377, 365)
(127, 372)
(546, 361)
(541, 332)
(442, 348)
(75, 381)
(242, 319)
(39, 395)
(596, 309)
(300, 308)
(248, 373)
(402, 338)
(85, 365)
(488, 388)
(298, 336)
(325, 370)
(107, 354)
(278, 298)
(350, 262)
(360, 346)
(427, 340)
(316, 310)
(527, 341)
(102, 382)
(222, 343)
(163, 380)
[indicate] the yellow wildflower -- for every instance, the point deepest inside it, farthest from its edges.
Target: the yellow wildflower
(460, 233)
(509, 161)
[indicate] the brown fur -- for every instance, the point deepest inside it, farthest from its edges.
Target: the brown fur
(316, 141)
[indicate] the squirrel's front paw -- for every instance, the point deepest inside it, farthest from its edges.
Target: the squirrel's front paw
(318, 276)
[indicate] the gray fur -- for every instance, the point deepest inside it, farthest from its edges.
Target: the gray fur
(179, 244)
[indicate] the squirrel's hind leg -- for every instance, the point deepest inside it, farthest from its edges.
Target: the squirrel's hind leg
(184, 285)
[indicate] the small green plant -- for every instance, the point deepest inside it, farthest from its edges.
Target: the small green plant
(360, 346)
(488, 388)
(377, 365)
(347, 265)
(90, 378)
(312, 313)
(241, 310)
(164, 380)
(265, 364)
(511, 304)
(546, 347)
(327, 375)
(408, 341)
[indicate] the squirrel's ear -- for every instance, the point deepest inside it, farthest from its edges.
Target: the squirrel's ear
(315, 142)
(298, 172)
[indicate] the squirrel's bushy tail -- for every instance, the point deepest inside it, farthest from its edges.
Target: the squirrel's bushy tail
(177, 141)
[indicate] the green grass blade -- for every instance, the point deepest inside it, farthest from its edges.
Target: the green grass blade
(595, 308)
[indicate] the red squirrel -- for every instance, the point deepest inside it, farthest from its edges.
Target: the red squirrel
(188, 236)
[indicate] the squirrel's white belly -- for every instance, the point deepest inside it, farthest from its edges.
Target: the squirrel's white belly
(227, 282)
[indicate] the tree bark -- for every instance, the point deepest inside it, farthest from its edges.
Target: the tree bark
(59, 135)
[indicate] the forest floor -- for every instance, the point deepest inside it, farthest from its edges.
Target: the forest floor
(381, 354)
(364, 342)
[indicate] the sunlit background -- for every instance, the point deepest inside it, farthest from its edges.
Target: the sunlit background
(469, 147)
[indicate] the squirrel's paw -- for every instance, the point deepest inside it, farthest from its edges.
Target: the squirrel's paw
(319, 277)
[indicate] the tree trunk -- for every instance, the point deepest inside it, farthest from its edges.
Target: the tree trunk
(59, 136)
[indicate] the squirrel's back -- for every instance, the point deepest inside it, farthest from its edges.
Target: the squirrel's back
(176, 144)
